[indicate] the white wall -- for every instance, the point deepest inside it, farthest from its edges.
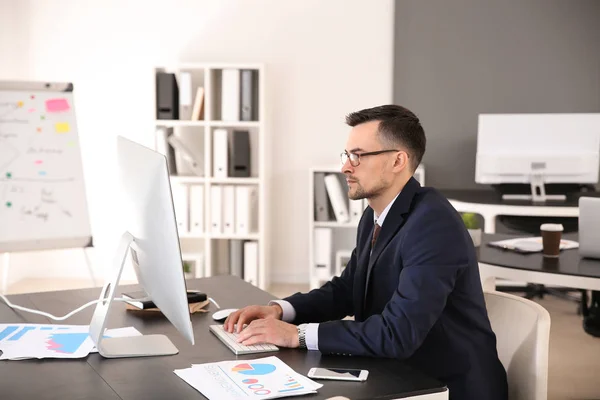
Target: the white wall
(324, 59)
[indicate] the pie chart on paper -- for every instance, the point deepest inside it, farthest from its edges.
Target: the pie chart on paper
(254, 369)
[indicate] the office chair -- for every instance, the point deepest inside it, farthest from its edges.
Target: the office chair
(522, 346)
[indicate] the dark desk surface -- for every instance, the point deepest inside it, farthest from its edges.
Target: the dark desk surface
(489, 196)
(568, 263)
(152, 378)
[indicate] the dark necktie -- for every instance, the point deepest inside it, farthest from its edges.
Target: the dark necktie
(375, 235)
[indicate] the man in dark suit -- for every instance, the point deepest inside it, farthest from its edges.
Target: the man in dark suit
(412, 283)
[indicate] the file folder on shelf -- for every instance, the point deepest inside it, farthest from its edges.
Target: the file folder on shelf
(197, 209)
(246, 209)
(189, 158)
(323, 256)
(339, 200)
(356, 210)
(228, 209)
(249, 95)
(236, 257)
(180, 203)
(321, 201)
(230, 94)
(220, 153)
(185, 95)
(251, 262)
(216, 209)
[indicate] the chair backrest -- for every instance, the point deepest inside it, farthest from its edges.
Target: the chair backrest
(522, 329)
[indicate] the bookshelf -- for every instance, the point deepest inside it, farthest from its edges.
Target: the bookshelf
(213, 236)
(331, 242)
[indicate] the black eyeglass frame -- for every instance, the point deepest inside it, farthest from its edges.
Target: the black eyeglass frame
(348, 156)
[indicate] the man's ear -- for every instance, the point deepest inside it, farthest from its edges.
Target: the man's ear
(402, 161)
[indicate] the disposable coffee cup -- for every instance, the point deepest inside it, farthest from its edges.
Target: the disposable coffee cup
(551, 235)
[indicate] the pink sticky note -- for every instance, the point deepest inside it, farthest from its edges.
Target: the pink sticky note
(31, 110)
(38, 162)
(57, 105)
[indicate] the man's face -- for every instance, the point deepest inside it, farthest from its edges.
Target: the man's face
(373, 174)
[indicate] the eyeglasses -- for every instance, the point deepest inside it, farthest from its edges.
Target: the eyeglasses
(355, 158)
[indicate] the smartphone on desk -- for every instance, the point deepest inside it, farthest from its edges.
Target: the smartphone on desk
(339, 374)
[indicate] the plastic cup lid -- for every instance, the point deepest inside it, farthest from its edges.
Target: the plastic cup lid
(552, 227)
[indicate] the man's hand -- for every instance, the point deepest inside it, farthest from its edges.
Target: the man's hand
(271, 331)
(249, 314)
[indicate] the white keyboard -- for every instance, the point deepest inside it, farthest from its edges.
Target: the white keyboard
(230, 339)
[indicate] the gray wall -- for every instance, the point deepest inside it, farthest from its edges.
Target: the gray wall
(455, 59)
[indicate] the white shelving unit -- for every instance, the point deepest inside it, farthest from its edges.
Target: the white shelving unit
(201, 245)
(343, 233)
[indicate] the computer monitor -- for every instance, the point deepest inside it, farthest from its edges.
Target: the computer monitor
(538, 149)
(153, 242)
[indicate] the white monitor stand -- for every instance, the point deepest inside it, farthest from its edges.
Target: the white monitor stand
(134, 346)
(538, 192)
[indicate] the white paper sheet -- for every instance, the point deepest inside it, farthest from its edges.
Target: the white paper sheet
(267, 378)
(531, 244)
(25, 341)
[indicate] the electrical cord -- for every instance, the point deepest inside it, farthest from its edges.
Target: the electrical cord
(83, 307)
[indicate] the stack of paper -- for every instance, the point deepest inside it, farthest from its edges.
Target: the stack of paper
(268, 378)
(24, 341)
(530, 244)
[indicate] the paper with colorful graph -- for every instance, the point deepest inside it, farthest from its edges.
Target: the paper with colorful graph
(25, 341)
(264, 378)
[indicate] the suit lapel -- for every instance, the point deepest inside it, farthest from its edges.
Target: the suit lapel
(360, 275)
(392, 224)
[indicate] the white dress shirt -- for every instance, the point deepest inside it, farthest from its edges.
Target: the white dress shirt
(312, 330)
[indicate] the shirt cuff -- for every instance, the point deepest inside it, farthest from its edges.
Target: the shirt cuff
(289, 313)
(312, 336)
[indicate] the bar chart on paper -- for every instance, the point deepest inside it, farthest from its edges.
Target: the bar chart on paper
(23, 341)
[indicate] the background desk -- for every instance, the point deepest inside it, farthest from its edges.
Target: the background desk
(569, 269)
(152, 378)
(490, 205)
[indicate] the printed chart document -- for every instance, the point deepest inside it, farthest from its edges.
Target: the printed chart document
(265, 378)
(530, 244)
(24, 341)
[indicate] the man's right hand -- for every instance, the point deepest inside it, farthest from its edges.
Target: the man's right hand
(248, 314)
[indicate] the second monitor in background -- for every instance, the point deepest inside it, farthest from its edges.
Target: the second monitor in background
(537, 150)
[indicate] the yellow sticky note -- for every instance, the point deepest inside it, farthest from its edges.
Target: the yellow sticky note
(62, 127)
(20, 104)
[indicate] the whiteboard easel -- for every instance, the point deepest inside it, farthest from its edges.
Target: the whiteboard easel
(43, 201)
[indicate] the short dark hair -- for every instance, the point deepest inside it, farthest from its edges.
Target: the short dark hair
(397, 125)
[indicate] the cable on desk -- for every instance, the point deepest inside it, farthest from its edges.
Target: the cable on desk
(83, 307)
(45, 314)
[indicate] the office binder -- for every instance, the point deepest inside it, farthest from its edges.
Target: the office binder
(230, 94)
(220, 153)
(356, 210)
(197, 209)
(249, 95)
(236, 257)
(322, 256)
(167, 96)
(228, 209)
(216, 210)
(321, 201)
(180, 203)
(198, 110)
(251, 262)
(162, 145)
(239, 154)
(186, 155)
(185, 95)
(246, 209)
(339, 200)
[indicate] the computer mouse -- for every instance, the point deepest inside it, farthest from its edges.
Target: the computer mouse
(222, 315)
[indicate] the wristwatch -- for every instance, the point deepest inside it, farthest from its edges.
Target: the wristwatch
(302, 336)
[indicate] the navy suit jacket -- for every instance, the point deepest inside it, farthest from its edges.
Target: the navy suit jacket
(416, 297)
